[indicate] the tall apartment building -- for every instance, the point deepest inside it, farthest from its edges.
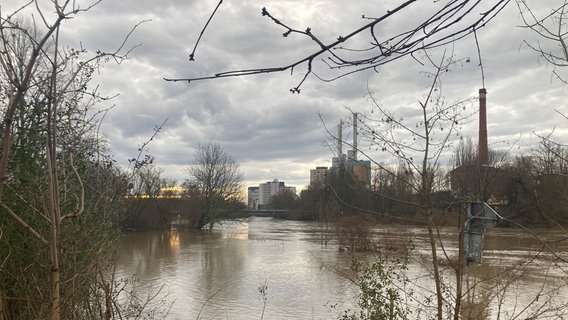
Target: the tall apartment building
(318, 177)
(259, 197)
(267, 190)
(253, 198)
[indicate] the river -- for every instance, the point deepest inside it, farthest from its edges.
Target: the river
(277, 269)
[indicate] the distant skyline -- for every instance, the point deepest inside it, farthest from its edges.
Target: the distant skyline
(272, 133)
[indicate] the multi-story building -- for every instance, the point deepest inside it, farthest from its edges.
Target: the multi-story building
(318, 177)
(253, 198)
(259, 197)
(361, 170)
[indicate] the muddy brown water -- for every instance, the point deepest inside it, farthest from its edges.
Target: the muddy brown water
(197, 275)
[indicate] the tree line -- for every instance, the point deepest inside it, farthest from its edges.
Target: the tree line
(528, 188)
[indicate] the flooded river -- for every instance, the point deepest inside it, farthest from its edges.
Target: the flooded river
(274, 269)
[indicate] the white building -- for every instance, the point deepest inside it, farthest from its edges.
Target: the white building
(253, 198)
(259, 197)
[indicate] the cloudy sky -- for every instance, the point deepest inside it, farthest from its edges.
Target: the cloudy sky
(272, 133)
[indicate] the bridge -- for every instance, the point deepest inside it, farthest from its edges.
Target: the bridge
(266, 212)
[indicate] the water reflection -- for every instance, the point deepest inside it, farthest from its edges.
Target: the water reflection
(222, 272)
(218, 275)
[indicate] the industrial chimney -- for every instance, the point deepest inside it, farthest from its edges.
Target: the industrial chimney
(482, 143)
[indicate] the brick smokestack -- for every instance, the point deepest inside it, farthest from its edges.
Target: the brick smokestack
(482, 144)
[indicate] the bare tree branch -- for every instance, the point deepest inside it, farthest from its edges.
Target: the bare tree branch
(23, 223)
(454, 20)
(192, 54)
(552, 32)
(81, 205)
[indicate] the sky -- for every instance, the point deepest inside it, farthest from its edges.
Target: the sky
(272, 133)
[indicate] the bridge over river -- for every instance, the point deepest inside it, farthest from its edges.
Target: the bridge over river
(265, 212)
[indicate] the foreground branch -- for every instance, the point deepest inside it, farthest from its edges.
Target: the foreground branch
(443, 27)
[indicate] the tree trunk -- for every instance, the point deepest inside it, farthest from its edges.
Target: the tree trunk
(54, 254)
(55, 231)
(53, 196)
(437, 279)
(1, 305)
(54, 282)
(461, 264)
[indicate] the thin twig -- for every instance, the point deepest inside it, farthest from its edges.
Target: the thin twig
(480, 62)
(192, 54)
(206, 301)
(82, 194)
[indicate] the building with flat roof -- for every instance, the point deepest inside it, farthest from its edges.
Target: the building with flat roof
(318, 177)
(259, 197)
(361, 170)
(253, 198)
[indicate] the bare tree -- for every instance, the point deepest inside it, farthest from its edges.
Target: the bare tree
(448, 22)
(552, 32)
(147, 181)
(419, 146)
(548, 161)
(218, 180)
(46, 83)
(283, 200)
(465, 154)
